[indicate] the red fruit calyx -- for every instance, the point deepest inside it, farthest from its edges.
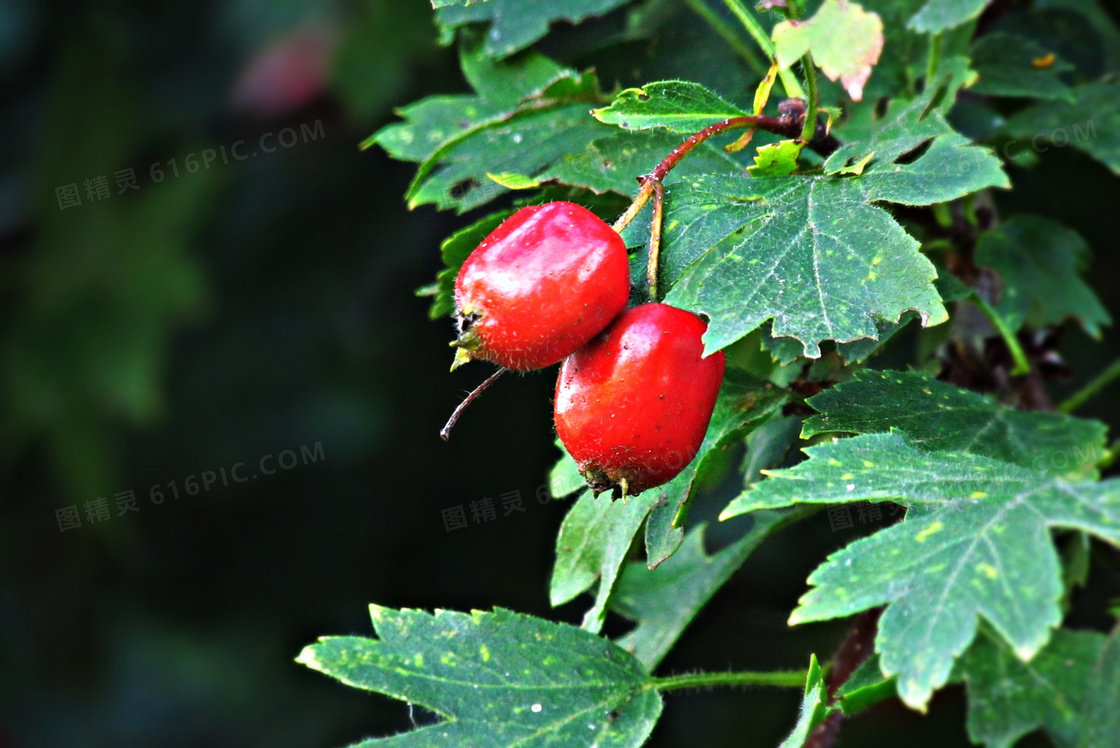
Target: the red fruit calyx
(540, 286)
(632, 406)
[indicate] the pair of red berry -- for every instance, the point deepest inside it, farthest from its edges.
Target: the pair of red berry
(635, 393)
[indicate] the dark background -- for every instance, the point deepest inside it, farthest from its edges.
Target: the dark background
(267, 305)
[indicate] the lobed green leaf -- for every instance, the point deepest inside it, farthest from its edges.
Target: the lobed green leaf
(497, 679)
(1090, 123)
(1009, 698)
(975, 542)
(1040, 263)
(935, 415)
(592, 544)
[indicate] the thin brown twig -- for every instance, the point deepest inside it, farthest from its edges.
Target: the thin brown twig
(788, 125)
(445, 432)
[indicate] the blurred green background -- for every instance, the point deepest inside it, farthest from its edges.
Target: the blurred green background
(230, 309)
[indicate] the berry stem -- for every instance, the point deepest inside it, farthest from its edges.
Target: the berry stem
(790, 126)
(655, 239)
(445, 432)
(635, 207)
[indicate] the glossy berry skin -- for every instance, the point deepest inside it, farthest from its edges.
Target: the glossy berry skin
(632, 407)
(545, 282)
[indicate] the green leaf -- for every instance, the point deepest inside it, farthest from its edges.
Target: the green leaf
(611, 163)
(528, 114)
(947, 164)
(866, 687)
(858, 350)
(804, 251)
(939, 15)
(744, 403)
(1091, 123)
(814, 253)
(513, 181)
(663, 601)
(1040, 262)
(436, 121)
(592, 544)
(455, 249)
(528, 145)
(975, 542)
(935, 415)
(844, 39)
(529, 125)
(564, 478)
(776, 160)
(1081, 32)
(515, 24)
(1100, 718)
(814, 707)
(1009, 698)
(787, 350)
(1006, 64)
(679, 106)
(497, 679)
(904, 50)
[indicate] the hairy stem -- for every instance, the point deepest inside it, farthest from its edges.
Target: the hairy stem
(727, 33)
(781, 679)
(1102, 380)
(750, 23)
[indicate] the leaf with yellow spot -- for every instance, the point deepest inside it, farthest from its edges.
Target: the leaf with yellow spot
(938, 415)
(954, 560)
(816, 254)
(497, 679)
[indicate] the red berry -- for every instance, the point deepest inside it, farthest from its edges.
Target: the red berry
(545, 282)
(633, 405)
